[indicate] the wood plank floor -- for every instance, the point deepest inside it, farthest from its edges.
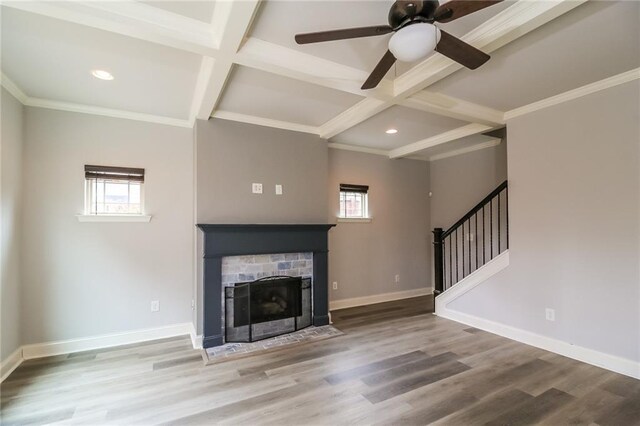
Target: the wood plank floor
(396, 364)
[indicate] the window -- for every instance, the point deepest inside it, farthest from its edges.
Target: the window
(354, 201)
(113, 190)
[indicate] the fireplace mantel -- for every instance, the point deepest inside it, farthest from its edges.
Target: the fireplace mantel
(222, 240)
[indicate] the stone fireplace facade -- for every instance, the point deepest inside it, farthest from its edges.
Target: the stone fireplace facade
(237, 253)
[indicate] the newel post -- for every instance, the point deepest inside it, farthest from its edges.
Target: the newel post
(437, 261)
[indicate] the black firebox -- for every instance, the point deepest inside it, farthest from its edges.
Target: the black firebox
(266, 308)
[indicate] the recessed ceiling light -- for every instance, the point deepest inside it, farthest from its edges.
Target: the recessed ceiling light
(391, 131)
(102, 74)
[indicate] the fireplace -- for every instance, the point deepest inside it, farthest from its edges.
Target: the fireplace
(224, 241)
(267, 307)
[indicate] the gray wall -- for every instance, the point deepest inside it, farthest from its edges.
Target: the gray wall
(86, 279)
(365, 257)
(11, 194)
(231, 156)
(574, 194)
(459, 183)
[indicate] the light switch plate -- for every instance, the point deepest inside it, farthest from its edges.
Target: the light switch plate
(278, 189)
(256, 188)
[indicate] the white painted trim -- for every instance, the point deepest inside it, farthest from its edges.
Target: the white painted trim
(13, 88)
(570, 95)
(590, 356)
(267, 122)
(503, 28)
(354, 219)
(113, 218)
(12, 362)
(335, 305)
(107, 112)
(460, 132)
(40, 350)
(196, 339)
(132, 19)
(356, 148)
(461, 151)
(441, 104)
(276, 59)
(472, 280)
(610, 362)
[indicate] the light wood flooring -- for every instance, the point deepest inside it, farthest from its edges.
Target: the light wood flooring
(396, 364)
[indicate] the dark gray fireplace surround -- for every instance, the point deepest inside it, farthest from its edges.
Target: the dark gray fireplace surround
(237, 240)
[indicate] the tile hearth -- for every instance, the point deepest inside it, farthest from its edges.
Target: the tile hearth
(231, 351)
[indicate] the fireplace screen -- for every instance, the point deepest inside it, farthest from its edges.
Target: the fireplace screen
(266, 308)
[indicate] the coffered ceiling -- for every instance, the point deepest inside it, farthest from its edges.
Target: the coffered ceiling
(175, 61)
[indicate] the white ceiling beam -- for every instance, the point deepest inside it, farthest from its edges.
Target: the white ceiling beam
(438, 103)
(232, 20)
(505, 27)
(472, 148)
(267, 122)
(273, 58)
(452, 135)
(132, 19)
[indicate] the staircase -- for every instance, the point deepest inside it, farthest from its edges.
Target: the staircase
(475, 239)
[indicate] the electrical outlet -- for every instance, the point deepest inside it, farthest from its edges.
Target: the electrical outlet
(469, 237)
(193, 304)
(256, 188)
(155, 305)
(335, 285)
(550, 314)
(278, 189)
(397, 279)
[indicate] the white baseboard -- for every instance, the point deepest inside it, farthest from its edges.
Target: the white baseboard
(196, 339)
(610, 362)
(477, 277)
(12, 362)
(334, 305)
(40, 350)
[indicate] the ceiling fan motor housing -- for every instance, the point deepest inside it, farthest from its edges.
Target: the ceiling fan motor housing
(403, 12)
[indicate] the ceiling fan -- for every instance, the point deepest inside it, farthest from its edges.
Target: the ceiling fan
(415, 36)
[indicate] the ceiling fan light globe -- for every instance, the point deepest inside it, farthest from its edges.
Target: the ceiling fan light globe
(414, 42)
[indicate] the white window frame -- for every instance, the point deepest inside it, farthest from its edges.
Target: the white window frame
(90, 185)
(342, 216)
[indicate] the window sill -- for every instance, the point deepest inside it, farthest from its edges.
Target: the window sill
(354, 219)
(113, 218)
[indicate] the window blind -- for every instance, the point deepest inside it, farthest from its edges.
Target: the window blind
(114, 173)
(347, 187)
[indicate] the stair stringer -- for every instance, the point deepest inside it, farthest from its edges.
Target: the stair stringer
(469, 282)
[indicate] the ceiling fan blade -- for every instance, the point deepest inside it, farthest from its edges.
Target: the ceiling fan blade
(461, 52)
(454, 9)
(379, 71)
(343, 34)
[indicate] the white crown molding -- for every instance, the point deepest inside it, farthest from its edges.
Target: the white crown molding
(107, 112)
(505, 27)
(40, 350)
(570, 95)
(356, 148)
(13, 88)
(10, 363)
(441, 104)
(335, 305)
(129, 18)
(460, 132)
(461, 151)
(267, 122)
